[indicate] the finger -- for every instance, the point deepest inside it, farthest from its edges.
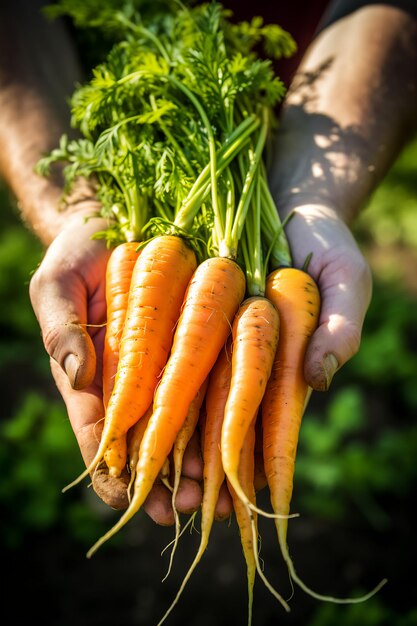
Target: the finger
(345, 286)
(61, 312)
(224, 506)
(189, 495)
(158, 505)
(60, 307)
(192, 465)
(60, 291)
(85, 412)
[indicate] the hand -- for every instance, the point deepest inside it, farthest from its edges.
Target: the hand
(68, 297)
(344, 279)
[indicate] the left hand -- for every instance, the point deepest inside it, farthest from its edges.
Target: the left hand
(68, 297)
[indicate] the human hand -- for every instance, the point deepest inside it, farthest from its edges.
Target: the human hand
(68, 297)
(345, 283)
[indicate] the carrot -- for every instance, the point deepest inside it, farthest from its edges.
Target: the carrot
(255, 334)
(213, 297)
(216, 396)
(165, 474)
(246, 478)
(118, 276)
(247, 520)
(159, 281)
(297, 299)
(214, 476)
(259, 477)
(186, 432)
(134, 439)
(255, 338)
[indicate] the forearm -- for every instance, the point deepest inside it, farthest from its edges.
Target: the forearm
(349, 110)
(38, 70)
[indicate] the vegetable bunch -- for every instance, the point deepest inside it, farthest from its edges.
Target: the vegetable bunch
(207, 320)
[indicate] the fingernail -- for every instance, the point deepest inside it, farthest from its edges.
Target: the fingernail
(330, 366)
(71, 367)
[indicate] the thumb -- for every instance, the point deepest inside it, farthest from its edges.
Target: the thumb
(346, 292)
(72, 347)
(60, 307)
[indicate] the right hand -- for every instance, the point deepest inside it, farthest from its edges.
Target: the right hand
(345, 283)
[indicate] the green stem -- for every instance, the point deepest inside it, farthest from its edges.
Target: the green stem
(251, 244)
(136, 28)
(230, 243)
(211, 142)
(231, 199)
(225, 155)
(137, 208)
(163, 210)
(272, 229)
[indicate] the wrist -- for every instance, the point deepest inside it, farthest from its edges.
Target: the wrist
(315, 165)
(47, 211)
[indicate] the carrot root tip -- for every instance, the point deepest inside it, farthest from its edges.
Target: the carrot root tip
(322, 597)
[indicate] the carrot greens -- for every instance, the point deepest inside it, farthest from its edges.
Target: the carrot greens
(174, 120)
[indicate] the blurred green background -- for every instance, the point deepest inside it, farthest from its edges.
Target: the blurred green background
(356, 473)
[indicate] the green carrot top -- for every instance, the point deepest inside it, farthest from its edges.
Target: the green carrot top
(173, 122)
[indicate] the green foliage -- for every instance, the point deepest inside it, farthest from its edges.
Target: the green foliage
(342, 461)
(390, 217)
(38, 456)
(387, 358)
(370, 613)
(19, 257)
(159, 113)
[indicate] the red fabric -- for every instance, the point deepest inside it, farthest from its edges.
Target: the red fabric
(299, 17)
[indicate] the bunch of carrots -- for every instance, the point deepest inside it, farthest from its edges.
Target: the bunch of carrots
(207, 319)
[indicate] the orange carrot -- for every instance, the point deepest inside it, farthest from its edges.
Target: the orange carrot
(216, 396)
(213, 473)
(159, 282)
(184, 435)
(255, 334)
(134, 439)
(214, 476)
(213, 297)
(297, 299)
(165, 474)
(118, 276)
(259, 477)
(244, 519)
(247, 519)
